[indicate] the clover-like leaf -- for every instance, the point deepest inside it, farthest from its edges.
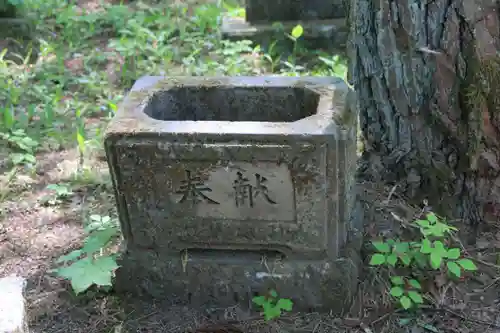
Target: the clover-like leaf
(259, 300)
(377, 259)
(271, 313)
(396, 291)
(453, 253)
(415, 297)
(423, 223)
(381, 247)
(392, 259)
(415, 284)
(285, 304)
(402, 247)
(439, 247)
(405, 302)
(297, 31)
(435, 260)
(426, 247)
(405, 259)
(397, 280)
(432, 218)
(454, 269)
(467, 264)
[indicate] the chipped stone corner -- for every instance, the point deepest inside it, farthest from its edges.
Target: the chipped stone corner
(13, 316)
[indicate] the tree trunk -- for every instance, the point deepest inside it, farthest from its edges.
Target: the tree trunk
(427, 75)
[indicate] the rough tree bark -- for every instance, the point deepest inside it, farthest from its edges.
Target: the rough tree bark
(427, 73)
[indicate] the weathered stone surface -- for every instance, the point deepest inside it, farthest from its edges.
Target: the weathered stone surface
(293, 10)
(328, 34)
(228, 186)
(12, 305)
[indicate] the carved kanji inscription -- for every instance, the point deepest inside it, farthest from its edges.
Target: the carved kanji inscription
(243, 191)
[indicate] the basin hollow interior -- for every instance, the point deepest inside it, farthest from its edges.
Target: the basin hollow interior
(261, 104)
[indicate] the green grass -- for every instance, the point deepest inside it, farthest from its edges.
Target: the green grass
(87, 60)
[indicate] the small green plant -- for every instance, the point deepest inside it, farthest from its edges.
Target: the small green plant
(94, 263)
(291, 67)
(272, 307)
(336, 66)
(59, 193)
(80, 138)
(296, 33)
(430, 254)
(24, 147)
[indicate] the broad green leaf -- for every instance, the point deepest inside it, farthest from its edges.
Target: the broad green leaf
(8, 117)
(102, 270)
(454, 269)
(422, 223)
(297, 31)
(405, 302)
(392, 259)
(415, 284)
(467, 264)
(436, 230)
(86, 272)
(70, 256)
(439, 247)
(453, 254)
(426, 232)
(435, 260)
(81, 283)
(285, 304)
(272, 313)
(402, 247)
(415, 297)
(259, 300)
(421, 259)
(397, 280)
(381, 247)
(396, 291)
(377, 259)
(426, 246)
(432, 218)
(267, 306)
(98, 239)
(405, 259)
(81, 141)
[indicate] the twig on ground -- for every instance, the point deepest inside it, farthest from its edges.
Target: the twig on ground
(495, 280)
(384, 316)
(461, 316)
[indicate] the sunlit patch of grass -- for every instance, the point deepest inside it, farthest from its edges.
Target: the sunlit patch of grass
(89, 58)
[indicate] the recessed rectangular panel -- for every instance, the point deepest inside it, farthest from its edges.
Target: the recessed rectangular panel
(238, 191)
